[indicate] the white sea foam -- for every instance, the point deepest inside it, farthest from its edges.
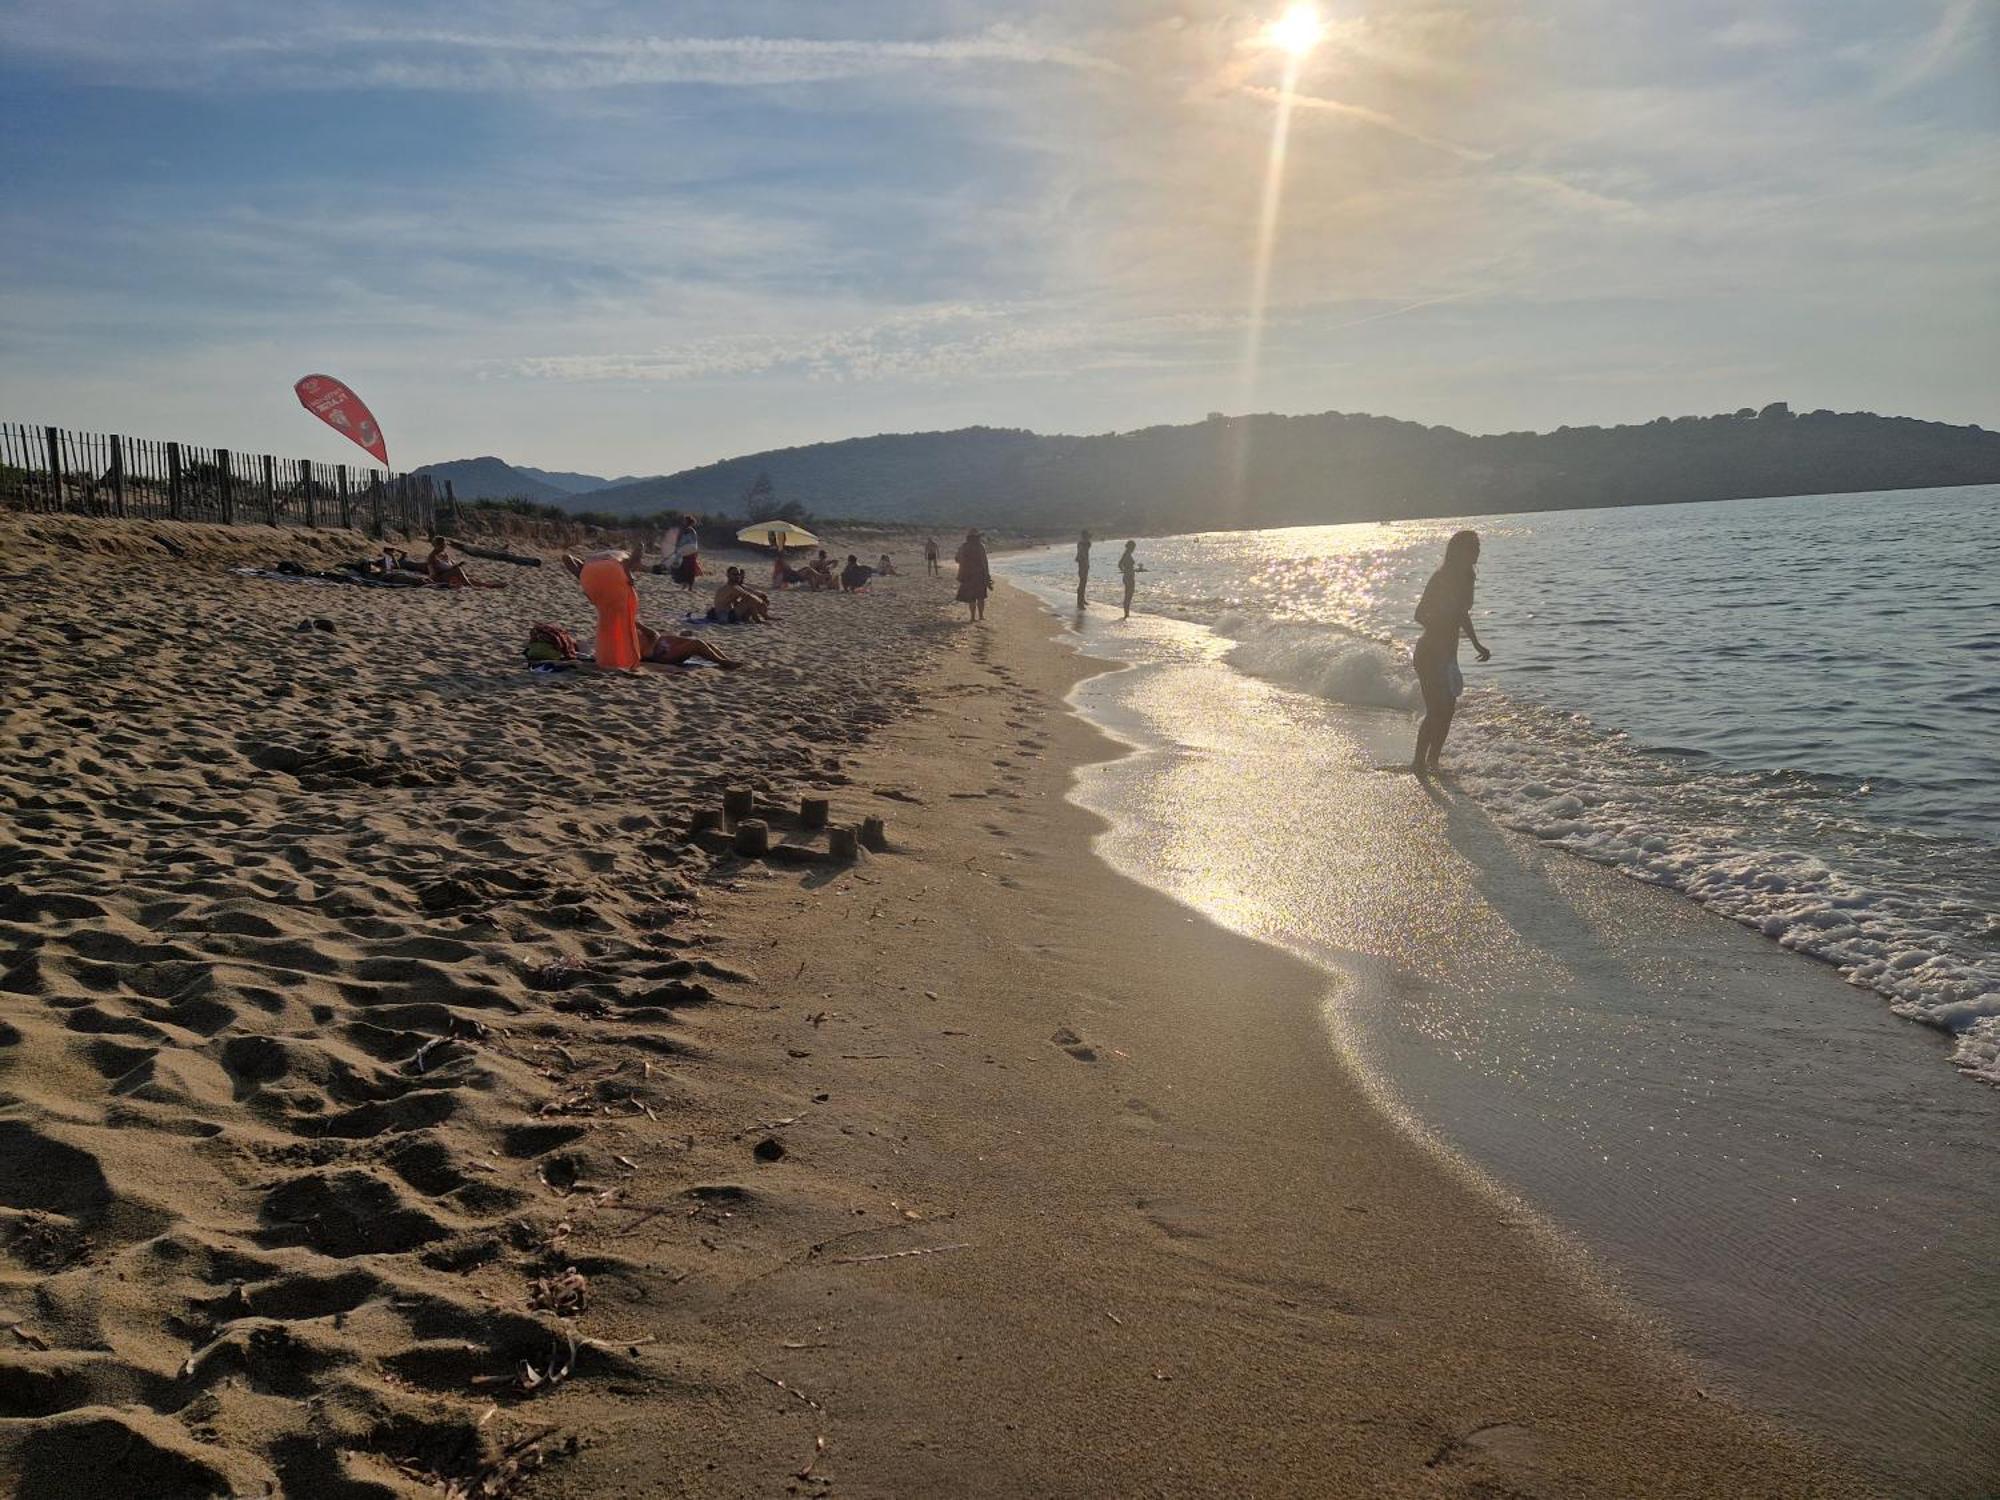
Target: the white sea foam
(1660, 819)
(1595, 795)
(1323, 660)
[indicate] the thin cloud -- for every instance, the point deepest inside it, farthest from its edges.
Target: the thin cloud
(1756, 34)
(429, 58)
(1362, 114)
(1954, 37)
(948, 341)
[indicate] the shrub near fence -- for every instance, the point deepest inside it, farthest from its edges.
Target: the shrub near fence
(99, 474)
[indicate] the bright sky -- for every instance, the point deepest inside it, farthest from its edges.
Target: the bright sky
(633, 237)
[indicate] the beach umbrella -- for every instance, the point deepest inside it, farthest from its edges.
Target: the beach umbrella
(778, 534)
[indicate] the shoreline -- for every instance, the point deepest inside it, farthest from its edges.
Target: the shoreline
(1064, 1193)
(1151, 1286)
(1803, 1222)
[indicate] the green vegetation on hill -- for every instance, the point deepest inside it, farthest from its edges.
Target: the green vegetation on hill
(1325, 468)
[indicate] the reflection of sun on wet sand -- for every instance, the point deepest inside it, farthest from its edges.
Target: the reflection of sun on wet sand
(394, 1093)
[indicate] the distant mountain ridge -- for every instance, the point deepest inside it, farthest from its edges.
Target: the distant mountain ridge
(1324, 468)
(1303, 470)
(493, 478)
(574, 484)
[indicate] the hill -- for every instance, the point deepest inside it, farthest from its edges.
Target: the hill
(1327, 467)
(573, 484)
(492, 479)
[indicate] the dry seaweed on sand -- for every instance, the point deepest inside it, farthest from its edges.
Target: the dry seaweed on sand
(565, 1294)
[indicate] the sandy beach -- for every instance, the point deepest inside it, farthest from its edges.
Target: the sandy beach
(399, 1102)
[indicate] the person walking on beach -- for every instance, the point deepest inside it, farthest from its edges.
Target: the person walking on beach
(1445, 612)
(931, 556)
(975, 578)
(1082, 568)
(687, 554)
(1128, 568)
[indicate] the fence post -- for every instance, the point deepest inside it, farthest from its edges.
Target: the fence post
(346, 505)
(306, 488)
(375, 502)
(225, 480)
(451, 504)
(53, 440)
(117, 475)
(173, 481)
(270, 491)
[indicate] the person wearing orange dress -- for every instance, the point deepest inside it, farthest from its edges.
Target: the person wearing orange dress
(606, 578)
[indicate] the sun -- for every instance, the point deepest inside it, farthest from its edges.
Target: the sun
(1297, 31)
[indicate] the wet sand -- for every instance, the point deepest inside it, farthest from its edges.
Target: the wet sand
(360, 986)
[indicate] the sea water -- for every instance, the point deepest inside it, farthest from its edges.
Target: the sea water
(1788, 710)
(1784, 711)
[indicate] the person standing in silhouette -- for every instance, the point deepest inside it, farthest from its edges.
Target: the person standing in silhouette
(1128, 568)
(1445, 613)
(975, 577)
(1082, 567)
(931, 556)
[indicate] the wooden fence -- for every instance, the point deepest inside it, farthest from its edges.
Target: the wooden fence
(100, 474)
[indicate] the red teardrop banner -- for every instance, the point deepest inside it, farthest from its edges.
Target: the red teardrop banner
(337, 406)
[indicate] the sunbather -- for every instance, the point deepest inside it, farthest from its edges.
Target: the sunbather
(854, 577)
(671, 650)
(447, 572)
(739, 601)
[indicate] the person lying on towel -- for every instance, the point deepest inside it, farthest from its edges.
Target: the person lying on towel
(671, 650)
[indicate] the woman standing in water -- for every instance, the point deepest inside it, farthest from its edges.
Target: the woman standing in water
(1445, 612)
(975, 578)
(1128, 565)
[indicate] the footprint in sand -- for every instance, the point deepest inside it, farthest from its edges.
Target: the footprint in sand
(1074, 1045)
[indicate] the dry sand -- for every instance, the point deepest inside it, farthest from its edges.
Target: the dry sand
(359, 986)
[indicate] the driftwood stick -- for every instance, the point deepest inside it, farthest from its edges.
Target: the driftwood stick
(857, 1260)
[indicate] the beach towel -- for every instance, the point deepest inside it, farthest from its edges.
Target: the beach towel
(605, 583)
(274, 575)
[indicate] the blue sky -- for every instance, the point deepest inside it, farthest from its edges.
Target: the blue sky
(630, 238)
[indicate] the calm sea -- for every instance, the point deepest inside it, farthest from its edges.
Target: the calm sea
(1788, 710)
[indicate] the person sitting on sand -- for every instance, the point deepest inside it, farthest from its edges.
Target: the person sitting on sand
(885, 567)
(975, 576)
(737, 601)
(662, 649)
(820, 574)
(783, 574)
(447, 572)
(1445, 612)
(854, 577)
